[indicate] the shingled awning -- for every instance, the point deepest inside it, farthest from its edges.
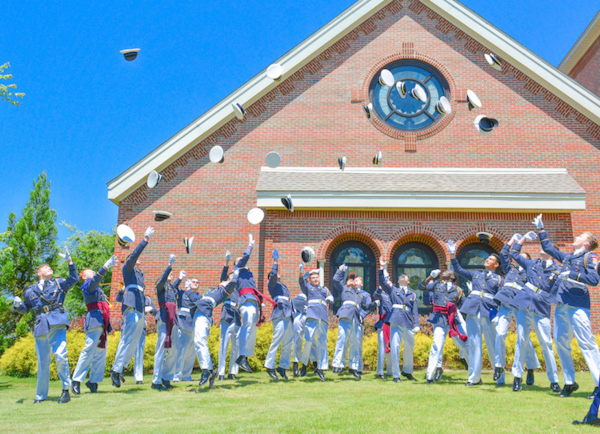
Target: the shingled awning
(420, 189)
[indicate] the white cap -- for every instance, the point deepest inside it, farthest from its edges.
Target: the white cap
(473, 100)
(485, 125)
(307, 255)
(287, 202)
(494, 61)
(255, 216)
(401, 88)
(189, 244)
(130, 53)
(386, 78)
(274, 71)
(443, 106)
(125, 235)
(216, 155)
(153, 179)
(239, 111)
(419, 93)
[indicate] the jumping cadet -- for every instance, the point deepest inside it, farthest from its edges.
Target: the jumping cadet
(383, 335)
(230, 324)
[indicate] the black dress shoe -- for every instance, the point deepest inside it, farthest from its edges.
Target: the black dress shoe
(37, 401)
(272, 374)
(167, 384)
(437, 375)
(516, 384)
(115, 378)
(64, 397)
(469, 384)
(408, 376)
(232, 377)
(221, 377)
(303, 371)
(282, 373)
(92, 386)
(75, 387)
(589, 419)
(121, 377)
(555, 387)
(139, 382)
(397, 380)
(593, 394)
(429, 382)
(381, 377)
(295, 369)
(157, 386)
(464, 363)
(320, 375)
(335, 370)
(568, 390)
(204, 378)
(530, 377)
(244, 364)
(315, 364)
(211, 380)
(355, 373)
(498, 373)
(360, 372)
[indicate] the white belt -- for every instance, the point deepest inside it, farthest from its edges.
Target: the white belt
(532, 287)
(212, 300)
(184, 309)
(316, 302)
(400, 306)
(301, 295)
(231, 303)
(135, 287)
(353, 303)
(482, 294)
(281, 298)
(514, 285)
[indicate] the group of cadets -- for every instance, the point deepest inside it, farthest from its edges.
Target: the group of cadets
(511, 287)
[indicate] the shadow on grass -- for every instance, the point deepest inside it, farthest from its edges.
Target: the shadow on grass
(5, 385)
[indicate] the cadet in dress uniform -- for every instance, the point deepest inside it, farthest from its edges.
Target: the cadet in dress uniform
(365, 309)
(446, 298)
(514, 280)
(480, 308)
(403, 320)
(167, 292)
(383, 334)
(97, 326)
(282, 318)
(300, 310)
(138, 357)
(133, 310)
(230, 324)
(317, 320)
(534, 309)
(572, 313)
(46, 299)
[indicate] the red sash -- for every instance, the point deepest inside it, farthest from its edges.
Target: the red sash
(386, 333)
(261, 297)
(450, 311)
(105, 308)
(170, 309)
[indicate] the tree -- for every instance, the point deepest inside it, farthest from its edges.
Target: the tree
(5, 92)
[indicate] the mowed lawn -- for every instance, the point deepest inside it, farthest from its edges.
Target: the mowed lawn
(254, 403)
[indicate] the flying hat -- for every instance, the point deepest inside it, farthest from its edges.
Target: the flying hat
(216, 154)
(255, 216)
(159, 216)
(342, 162)
(130, 53)
(472, 100)
(401, 87)
(352, 275)
(153, 179)
(189, 243)
(378, 158)
(239, 111)
(287, 202)
(484, 237)
(485, 125)
(274, 71)
(418, 93)
(125, 235)
(273, 159)
(307, 254)
(368, 110)
(443, 106)
(386, 78)
(494, 61)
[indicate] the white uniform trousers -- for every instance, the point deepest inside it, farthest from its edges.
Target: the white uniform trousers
(381, 359)
(315, 333)
(160, 351)
(92, 358)
(397, 335)
(569, 321)
(202, 326)
(476, 327)
(138, 359)
(463, 347)
(185, 364)
(526, 320)
(55, 342)
(347, 332)
(131, 333)
(182, 343)
(283, 333)
(299, 323)
(247, 332)
(228, 334)
(358, 342)
(437, 349)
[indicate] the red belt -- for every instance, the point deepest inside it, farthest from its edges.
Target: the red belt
(386, 333)
(261, 297)
(450, 310)
(170, 309)
(105, 308)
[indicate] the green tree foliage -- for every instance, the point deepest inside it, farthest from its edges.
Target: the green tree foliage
(5, 90)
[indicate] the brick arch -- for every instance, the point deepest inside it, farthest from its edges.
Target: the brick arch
(469, 236)
(425, 239)
(350, 233)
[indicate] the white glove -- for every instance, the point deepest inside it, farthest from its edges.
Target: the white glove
(65, 255)
(416, 330)
(148, 309)
(538, 222)
(301, 268)
(263, 306)
(530, 236)
(329, 299)
(451, 247)
(112, 261)
(377, 302)
(516, 238)
(17, 302)
(564, 275)
(187, 284)
(149, 232)
(171, 259)
(470, 286)
(182, 274)
(435, 273)
(495, 320)
(343, 267)
(251, 240)
(228, 255)
(236, 274)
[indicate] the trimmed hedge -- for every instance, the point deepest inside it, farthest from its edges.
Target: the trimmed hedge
(20, 360)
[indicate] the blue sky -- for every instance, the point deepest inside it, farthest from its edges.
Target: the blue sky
(88, 114)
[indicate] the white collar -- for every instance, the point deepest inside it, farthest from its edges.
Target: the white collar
(549, 262)
(578, 251)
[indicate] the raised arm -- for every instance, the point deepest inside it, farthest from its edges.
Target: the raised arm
(515, 253)
(132, 259)
(384, 282)
(549, 248)
(505, 258)
(160, 286)
(338, 280)
(460, 270)
(302, 280)
(273, 278)
(246, 256)
(95, 281)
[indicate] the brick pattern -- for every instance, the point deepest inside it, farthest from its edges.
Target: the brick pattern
(587, 70)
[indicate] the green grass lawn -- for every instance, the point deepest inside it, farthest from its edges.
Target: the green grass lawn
(253, 403)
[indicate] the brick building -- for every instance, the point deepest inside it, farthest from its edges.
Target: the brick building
(440, 178)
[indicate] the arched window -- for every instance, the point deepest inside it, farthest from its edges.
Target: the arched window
(360, 260)
(471, 257)
(417, 260)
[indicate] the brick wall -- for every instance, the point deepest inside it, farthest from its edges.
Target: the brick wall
(587, 70)
(315, 116)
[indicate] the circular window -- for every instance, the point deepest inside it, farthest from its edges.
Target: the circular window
(410, 103)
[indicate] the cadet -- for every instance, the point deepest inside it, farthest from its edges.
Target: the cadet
(365, 308)
(300, 311)
(383, 334)
(403, 320)
(447, 299)
(572, 296)
(534, 308)
(46, 299)
(515, 278)
(282, 318)
(166, 293)
(133, 309)
(138, 357)
(97, 326)
(317, 321)
(480, 308)
(230, 324)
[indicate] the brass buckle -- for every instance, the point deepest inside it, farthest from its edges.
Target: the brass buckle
(46, 309)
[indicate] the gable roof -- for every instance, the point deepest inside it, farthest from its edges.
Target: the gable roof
(583, 44)
(453, 11)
